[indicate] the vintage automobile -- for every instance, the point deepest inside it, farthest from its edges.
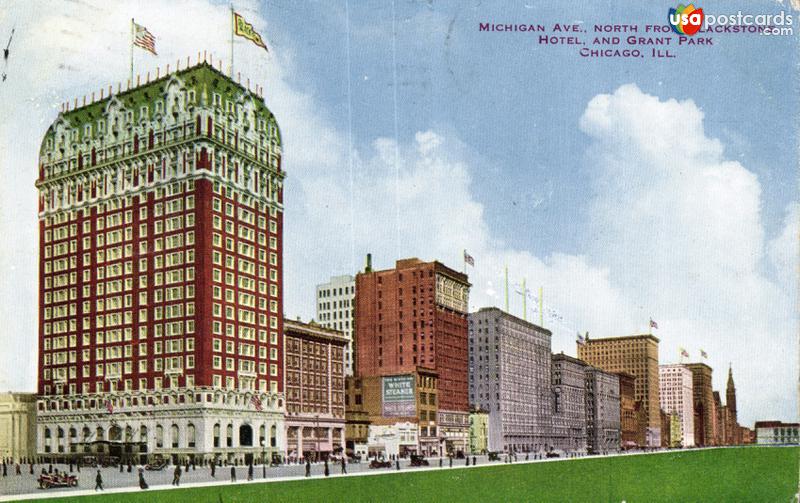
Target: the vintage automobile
(553, 454)
(355, 459)
(156, 465)
(48, 480)
(494, 456)
(380, 464)
(417, 460)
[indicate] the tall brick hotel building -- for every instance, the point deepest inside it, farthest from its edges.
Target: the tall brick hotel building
(413, 316)
(160, 229)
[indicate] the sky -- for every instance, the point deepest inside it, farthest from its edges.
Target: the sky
(628, 189)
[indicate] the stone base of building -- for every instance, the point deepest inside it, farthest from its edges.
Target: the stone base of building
(199, 424)
(314, 438)
(454, 432)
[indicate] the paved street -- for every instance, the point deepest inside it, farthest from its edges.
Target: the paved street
(112, 478)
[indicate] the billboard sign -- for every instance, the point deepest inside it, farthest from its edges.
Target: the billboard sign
(398, 396)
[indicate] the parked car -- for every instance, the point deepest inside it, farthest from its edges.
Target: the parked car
(553, 454)
(380, 464)
(48, 480)
(354, 459)
(89, 461)
(156, 465)
(494, 456)
(417, 460)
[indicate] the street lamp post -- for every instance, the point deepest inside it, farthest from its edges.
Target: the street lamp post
(316, 437)
(263, 457)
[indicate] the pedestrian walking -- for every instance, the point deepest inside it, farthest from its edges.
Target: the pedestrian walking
(440, 461)
(142, 483)
(70, 467)
(397, 463)
(213, 470)
(344, 465)
(327, 471)
(50, 468)
(5, 469)
(130, 467)
(31, 468)
(98, 481)
(176, 476)
(250, 471)
(19, 469)
(474, 461)
(450, 458)
(120, 467)
(233, 473)
(308, 468)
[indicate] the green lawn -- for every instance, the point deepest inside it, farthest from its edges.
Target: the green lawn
(726, 475)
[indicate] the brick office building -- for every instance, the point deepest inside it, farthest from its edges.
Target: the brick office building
(704, 409)
(315, 370)
(416, 315)
(638, 356)
(160, 229)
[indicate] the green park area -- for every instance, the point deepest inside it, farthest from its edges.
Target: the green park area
(758, 474)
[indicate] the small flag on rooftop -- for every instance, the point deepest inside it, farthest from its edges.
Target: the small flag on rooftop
(469, 259)
(684, 353)
(653, 324)
(581, 341)
(703, 354)
(245, 30)
(143, 38)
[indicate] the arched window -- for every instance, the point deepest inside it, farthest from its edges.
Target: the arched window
(190, 435)
(60, 433)
(216, 435)
(128, 434)
(273, 436)
(115, 434)
(47, 433)
(72, 434)
(143, 433)
(159, 436)
(229, 436)
(86, 433)
(262, 435)
(100, 434)
(175, 436)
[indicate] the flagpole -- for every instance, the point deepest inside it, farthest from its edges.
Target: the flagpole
(464, 256)
(506, 287)
(233, 20)
(132, 39)
(524, 301)
(541, 307)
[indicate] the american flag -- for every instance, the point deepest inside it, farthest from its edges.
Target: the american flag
(143, 38)
(468, 259)
(256, 403)
(703, 354)
(653, 324)
(109, 407)
(684, 353)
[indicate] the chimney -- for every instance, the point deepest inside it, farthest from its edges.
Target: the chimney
(369, 263)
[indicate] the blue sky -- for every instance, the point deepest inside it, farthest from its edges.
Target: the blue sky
(627, 189)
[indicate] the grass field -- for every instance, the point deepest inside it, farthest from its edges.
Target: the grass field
(724, 475)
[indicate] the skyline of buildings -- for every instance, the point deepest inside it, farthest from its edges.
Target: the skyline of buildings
(162, 328)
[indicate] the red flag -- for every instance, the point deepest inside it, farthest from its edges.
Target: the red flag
(109, 407)
(256, 403)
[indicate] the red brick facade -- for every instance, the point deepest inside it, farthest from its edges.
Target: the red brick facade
(404, 320)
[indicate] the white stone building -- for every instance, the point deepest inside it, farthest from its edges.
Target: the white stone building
(335, 302)
(676, 395)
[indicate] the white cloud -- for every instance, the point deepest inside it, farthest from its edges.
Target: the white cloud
(680, 226)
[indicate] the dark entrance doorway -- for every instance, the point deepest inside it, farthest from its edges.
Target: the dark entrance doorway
(245, 435)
